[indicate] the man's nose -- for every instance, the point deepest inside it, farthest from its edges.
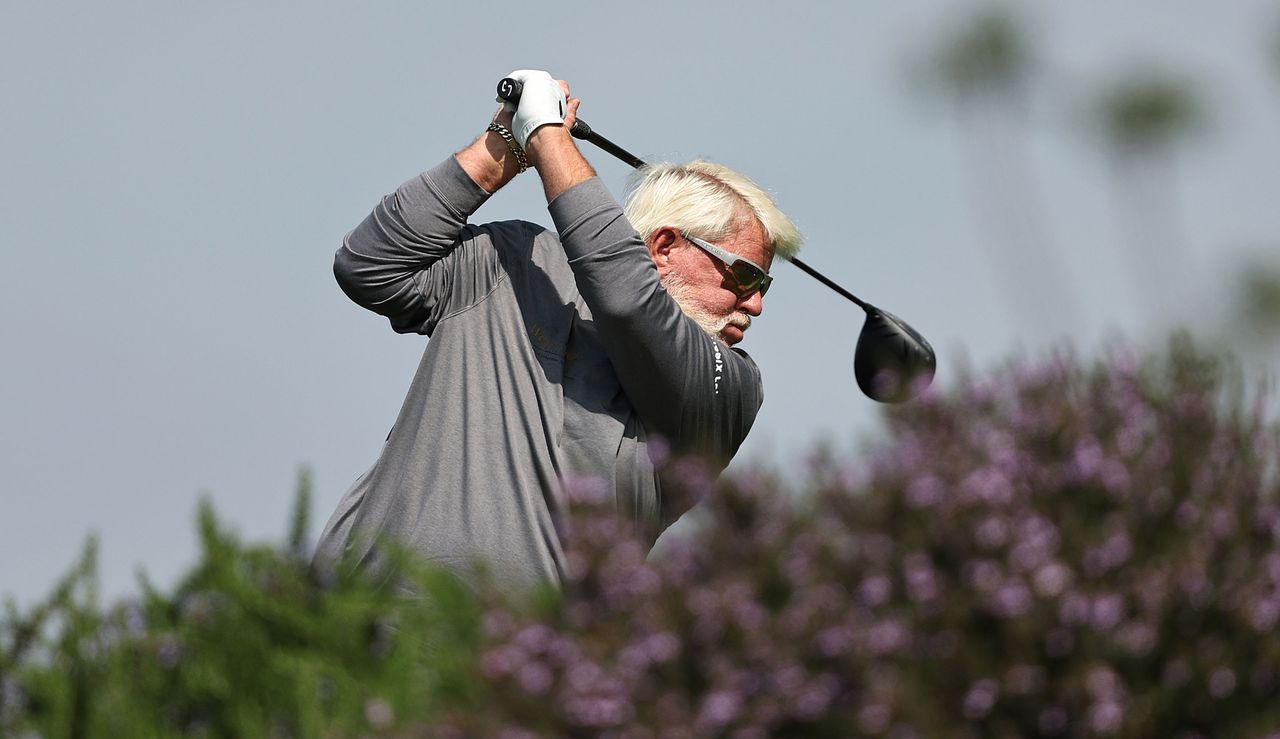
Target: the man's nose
(752, 304)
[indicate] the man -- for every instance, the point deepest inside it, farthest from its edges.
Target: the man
(552, 355)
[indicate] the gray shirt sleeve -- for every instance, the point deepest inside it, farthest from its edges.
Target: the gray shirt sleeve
(412, 259)
(689, 387)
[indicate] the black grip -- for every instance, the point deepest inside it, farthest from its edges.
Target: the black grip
(509, 89)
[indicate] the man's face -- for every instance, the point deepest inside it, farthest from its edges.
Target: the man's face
(701, 285)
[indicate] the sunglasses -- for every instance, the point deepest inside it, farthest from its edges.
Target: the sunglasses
(746, 276)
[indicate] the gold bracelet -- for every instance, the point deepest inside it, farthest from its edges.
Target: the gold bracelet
(510, 140)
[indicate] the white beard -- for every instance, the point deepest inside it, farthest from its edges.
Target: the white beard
(679, 291)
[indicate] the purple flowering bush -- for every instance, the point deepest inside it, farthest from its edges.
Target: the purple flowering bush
(1051, 549)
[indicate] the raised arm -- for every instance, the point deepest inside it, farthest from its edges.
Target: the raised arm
(686, 385)
(399, 262)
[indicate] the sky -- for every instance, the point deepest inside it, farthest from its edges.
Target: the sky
(175, 178)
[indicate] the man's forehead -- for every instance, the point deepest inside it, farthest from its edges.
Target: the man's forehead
(749, 240)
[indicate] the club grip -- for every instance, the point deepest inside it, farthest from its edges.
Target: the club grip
(509, 89)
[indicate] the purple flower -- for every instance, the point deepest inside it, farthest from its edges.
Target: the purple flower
(873, 718)
(834, 641)
(1129, 440)
(1115, 477)
(886, 636)
(1086, 461)
(534, 638)
(1187, 514)
(1264, 614)
(925, 492)
(789, 679)
(1104, 684)
(583, 676)
(1222, 683)
(719, 708)
(874, 591)
(980, 699)
(535, 678)
(501, 661)
(989, 485)
(1106, 717)
(1051, 579)
(1137, 638)
(984, 574)
(854, 476)
(498, 623)
(917, 570)
(816, 697)
(1013, 599)
(597, 711)
(1107, 611)
(993, 532)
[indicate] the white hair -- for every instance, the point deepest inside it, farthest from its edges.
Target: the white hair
(705, 199)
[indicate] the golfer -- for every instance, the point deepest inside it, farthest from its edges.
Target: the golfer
(553, 355)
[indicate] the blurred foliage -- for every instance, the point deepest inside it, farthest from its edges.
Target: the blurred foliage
(1259, 293)
(1057, 548)
(987, 54)
(1146, 110)
(253, 643)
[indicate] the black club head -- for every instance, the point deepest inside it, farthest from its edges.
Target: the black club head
(893, 362)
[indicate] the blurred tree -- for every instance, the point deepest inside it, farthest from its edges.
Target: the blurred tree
(1258, 310)
(983, 68)
(1143, 115)
(1275, 45)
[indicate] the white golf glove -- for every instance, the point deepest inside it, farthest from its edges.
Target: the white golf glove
(541, 102)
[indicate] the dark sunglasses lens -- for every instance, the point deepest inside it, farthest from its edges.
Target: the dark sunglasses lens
(749, 278)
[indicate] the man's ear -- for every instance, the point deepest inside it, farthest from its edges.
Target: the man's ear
(660, 243)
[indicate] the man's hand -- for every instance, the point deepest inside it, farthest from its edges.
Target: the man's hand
(542, 102)
(554, 154)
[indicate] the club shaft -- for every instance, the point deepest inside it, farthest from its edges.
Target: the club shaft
(586, 134)
(509, 89)
(815, 274)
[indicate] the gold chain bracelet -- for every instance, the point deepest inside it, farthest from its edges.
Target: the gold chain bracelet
(510, 140)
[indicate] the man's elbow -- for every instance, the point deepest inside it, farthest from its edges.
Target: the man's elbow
(347, 271)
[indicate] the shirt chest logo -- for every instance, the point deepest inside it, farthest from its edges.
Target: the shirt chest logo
(719, 366)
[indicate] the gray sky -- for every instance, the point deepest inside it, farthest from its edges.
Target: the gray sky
(174, 179)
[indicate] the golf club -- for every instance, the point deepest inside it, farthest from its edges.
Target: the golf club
(892, 362)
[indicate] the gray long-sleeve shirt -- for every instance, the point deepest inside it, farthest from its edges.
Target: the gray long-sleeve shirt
(549, 358)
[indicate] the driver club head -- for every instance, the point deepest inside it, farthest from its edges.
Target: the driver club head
(892, 362)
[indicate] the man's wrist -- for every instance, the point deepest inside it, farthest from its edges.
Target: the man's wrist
(554, 154)
(545, 141)
(512, 146)
(489, 162)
